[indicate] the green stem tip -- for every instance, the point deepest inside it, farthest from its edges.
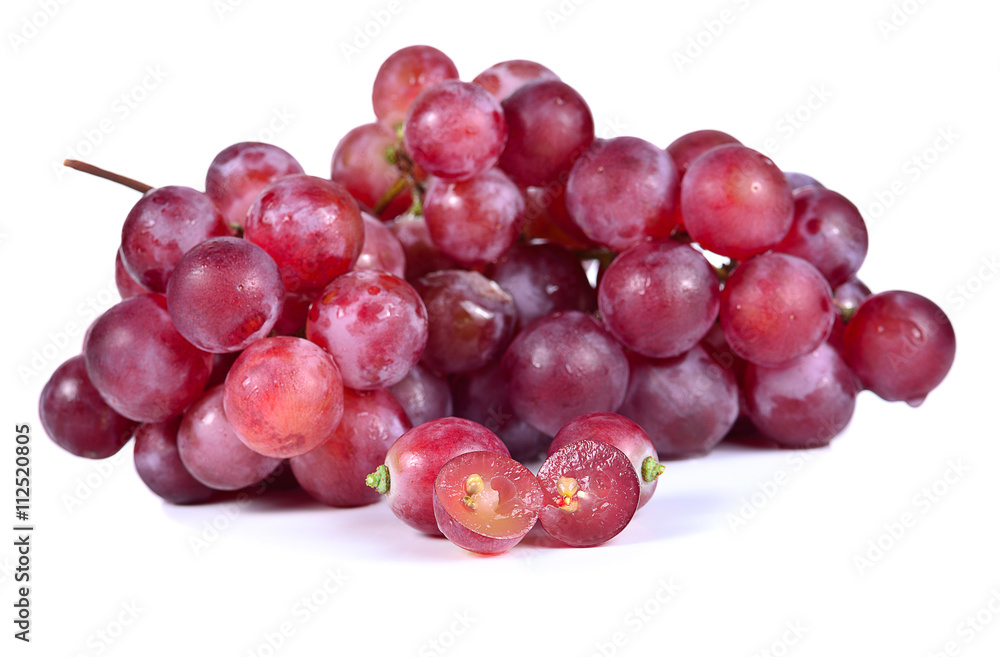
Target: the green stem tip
(651, 469)
(379, 480)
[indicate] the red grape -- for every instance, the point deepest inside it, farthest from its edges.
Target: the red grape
(505, 78)
(900, 344)
(486, 502)
(403, 76)
(76, 418)
(591, 492)
(242, 171)
(414, 460)
(689, 147)
(422, 256)
(364, 163)
(423, 394)
(284, 396)
(776, 308)
(160, 467)
(798, 181)
(373, 323)
(311, 227)
(381, 250)
(334, 473)
(127, 286)
(142, 366)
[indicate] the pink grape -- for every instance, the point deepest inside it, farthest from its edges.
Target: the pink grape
(505, 78)
(622, 191)
(225, 294)
(381, 250)
(776, 308)
(162, 227)
(140, 364)
(455, 130)
(474, 221)
(241, 171)
(805, 403)
(373, 323)
(736, 202)
(159, 464)
(364, 163)
(591, 492)
(562, 366)
(414, 460)
(659, 298)
(334, 473)
(548, 126)
(403, 76)
(211, 450)
(829, 232)
(486, 502)
(623, 433)
(900, 345)
(75, 416)
(284, 396)
(311, 227)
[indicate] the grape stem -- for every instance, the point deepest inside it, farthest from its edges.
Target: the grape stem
(107, 175)
(379, 480)
(845, 313)
(651, 469)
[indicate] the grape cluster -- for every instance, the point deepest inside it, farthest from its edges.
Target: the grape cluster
(479, 282)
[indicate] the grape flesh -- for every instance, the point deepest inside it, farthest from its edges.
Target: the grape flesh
(686, 404)
(334, 473)
(423, 394)
(373, 323)
(829, 232)
(225, 294)
(470, 320)
(311, 227)
(401, 78)
(162, 227)
(736, 202)
(623, 433)
(591, 493)
(414, 460)
(505, 78)
(381, 250)
(659, 298)
(548, 126)
(140, 364)
(776, 308)
(211, 450)
(363, 162)
(486, 502)
(242, 171)
(900, 345)
(160, 467)
(75, 416)
(562, 366)
(543, 278)
(622, 191)
(805, 403)
(284, 396)
(455, 130)
(474, 221)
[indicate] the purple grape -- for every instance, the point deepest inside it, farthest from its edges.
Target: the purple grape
(373, 323)
(142, 366)
(622, 191)
(805, 403)
(470, 320)
(424, 395)
(76, 418)
(225, 294)
(659, 298)
(213, 453)
(900, 345)
(162, 227)
(160, 467)
(455, 130)
(686, 404)
(562, 366)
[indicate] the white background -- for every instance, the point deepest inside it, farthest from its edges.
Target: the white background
(110, 560)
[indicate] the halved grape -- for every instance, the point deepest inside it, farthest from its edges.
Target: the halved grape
(413, 461)
(284, 396)
(486, 502)
(591, 492)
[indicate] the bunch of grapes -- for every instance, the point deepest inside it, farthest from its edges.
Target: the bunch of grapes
(479, 282)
